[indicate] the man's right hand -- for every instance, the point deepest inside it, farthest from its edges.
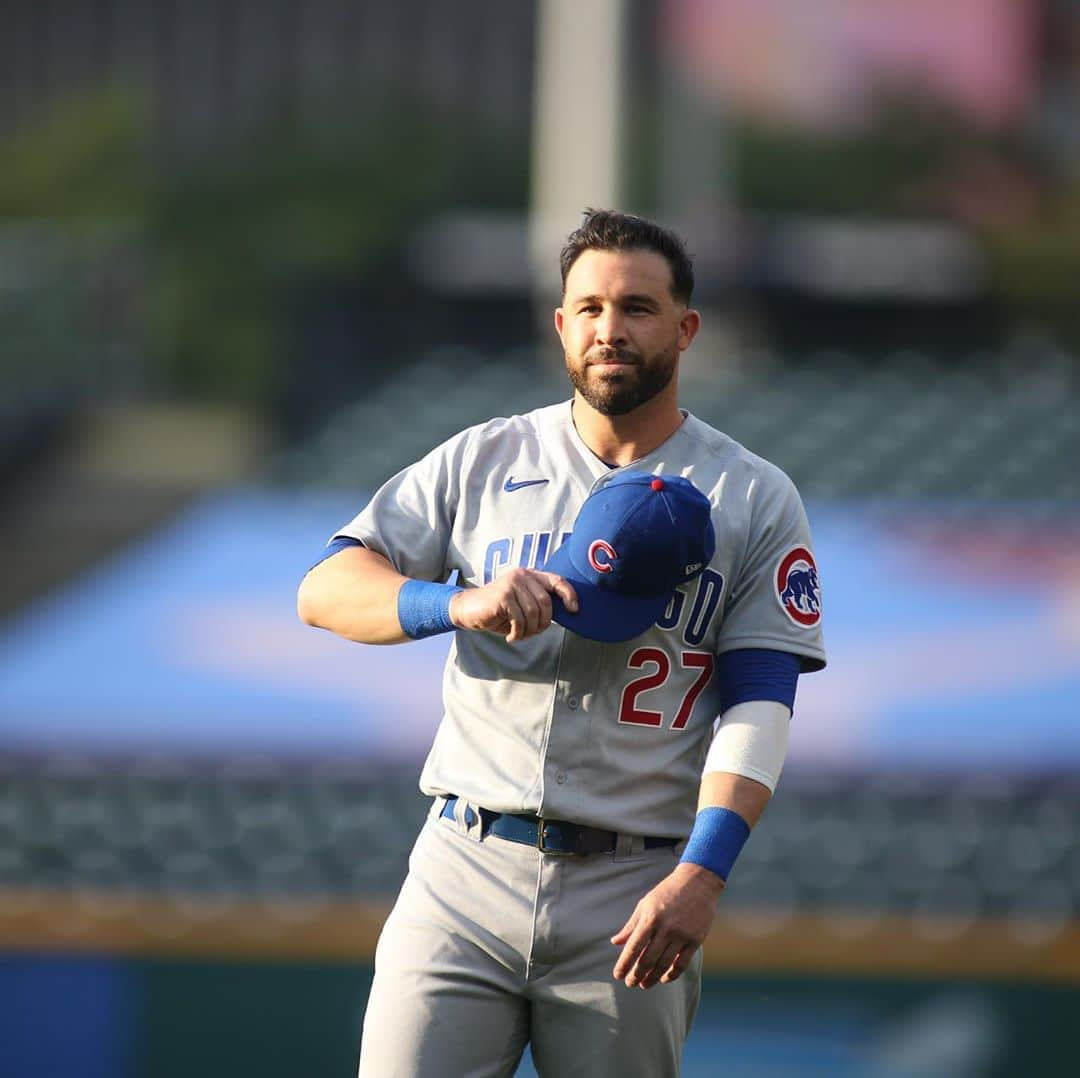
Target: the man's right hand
(517, 605)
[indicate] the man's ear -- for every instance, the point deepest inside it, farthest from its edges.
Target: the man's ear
(689, 325)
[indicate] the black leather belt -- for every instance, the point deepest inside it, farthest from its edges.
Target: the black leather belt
(555, 837)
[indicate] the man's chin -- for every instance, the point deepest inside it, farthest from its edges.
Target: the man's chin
(616, 390)
(620, 402)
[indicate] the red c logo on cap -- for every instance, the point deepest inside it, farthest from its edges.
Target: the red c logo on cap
(598, 547)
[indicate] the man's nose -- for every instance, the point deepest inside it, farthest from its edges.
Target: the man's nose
(610, 328)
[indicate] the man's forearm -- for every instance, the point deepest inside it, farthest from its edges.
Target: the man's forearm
(721, 789)
(357, 594)
(354, 594)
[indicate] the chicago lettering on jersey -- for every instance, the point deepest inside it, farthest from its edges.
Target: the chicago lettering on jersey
(528, 551)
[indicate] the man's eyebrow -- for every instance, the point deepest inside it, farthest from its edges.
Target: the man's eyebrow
(633, 297)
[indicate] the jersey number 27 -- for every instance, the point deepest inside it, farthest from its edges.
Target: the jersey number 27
(630, 712)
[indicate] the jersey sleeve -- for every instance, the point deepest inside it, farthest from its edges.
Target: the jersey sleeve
(775, 599)
(410, 518)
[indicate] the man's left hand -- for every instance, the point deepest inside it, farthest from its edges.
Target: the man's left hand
(667, 926)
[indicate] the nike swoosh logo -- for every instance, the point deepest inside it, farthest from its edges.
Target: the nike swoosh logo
(510, 486)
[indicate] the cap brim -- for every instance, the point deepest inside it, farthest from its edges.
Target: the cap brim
(602, 615)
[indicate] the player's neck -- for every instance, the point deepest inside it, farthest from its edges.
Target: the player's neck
(621, 439)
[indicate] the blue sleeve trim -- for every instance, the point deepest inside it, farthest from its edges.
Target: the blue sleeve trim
(757, 674)
(342, 542)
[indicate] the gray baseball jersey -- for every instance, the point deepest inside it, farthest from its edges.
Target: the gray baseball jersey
(608, 735)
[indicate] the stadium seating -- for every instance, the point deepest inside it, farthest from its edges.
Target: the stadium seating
(905, 425)
(959, 434)
(865, 844)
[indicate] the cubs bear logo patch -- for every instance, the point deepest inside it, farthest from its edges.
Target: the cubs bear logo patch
(797, 587)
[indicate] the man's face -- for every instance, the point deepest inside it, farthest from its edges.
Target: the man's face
(621, 328)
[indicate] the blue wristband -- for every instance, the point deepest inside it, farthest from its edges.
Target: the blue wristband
(716, 840)
(424, 608)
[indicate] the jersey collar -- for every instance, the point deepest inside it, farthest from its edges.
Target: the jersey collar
(593, 471)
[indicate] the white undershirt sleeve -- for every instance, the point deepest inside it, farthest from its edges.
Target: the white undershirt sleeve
(751, 739)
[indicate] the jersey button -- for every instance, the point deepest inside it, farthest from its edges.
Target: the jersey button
(572, 703)
(560, 777)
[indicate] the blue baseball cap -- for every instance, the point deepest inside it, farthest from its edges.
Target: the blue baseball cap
(635, 540)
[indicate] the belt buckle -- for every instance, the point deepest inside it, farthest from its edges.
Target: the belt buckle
(541, 825)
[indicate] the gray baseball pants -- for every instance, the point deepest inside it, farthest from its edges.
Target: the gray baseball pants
(492, 944)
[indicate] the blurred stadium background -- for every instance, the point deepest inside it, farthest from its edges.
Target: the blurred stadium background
(255, 256)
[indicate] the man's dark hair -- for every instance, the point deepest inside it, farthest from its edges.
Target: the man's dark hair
(609, 230)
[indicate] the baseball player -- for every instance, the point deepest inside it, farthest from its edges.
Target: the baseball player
(636, 597)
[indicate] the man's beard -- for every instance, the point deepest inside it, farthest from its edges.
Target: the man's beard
(621, 391)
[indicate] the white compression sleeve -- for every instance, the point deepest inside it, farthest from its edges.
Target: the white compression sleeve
(751, 739)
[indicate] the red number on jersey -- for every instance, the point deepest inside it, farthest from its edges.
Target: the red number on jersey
(628, 709)
(629, 712)
(705, 662)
